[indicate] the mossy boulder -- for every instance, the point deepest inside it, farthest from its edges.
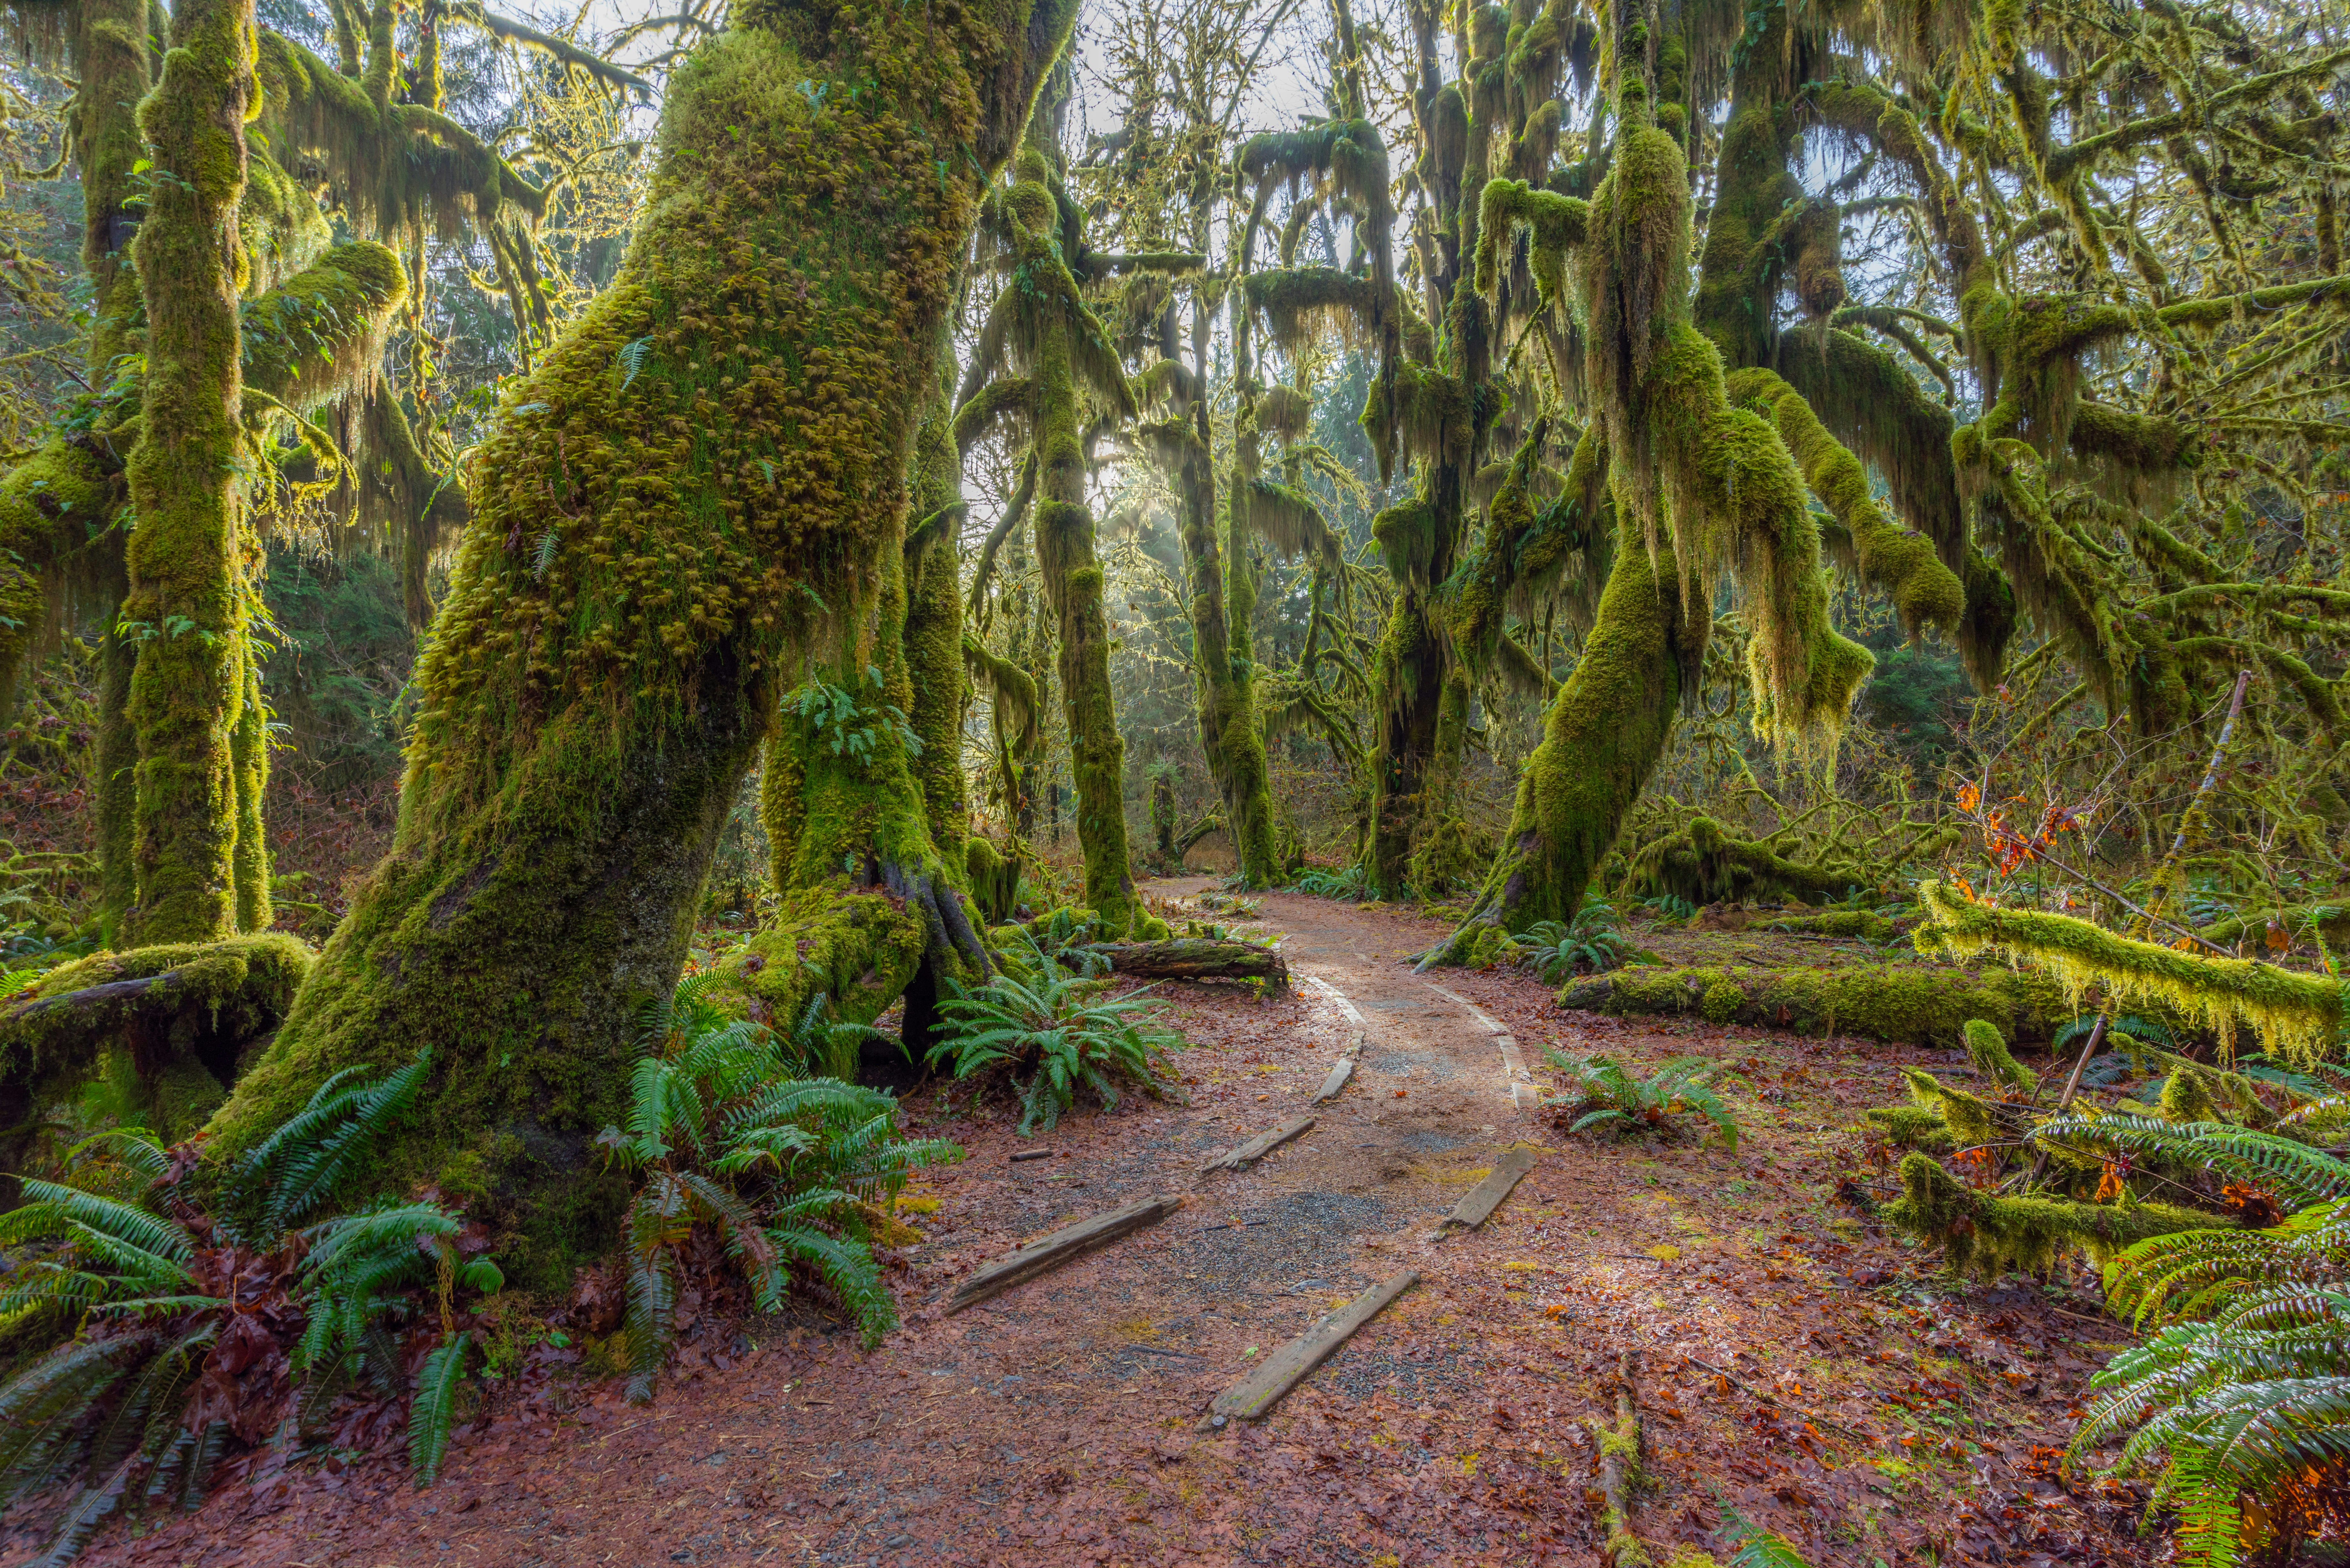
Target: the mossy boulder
(1908, 1002)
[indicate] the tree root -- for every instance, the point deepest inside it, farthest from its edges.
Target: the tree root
(1619, 1473)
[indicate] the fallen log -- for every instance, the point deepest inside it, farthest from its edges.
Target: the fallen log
(1198, 958)
(1917, 1003)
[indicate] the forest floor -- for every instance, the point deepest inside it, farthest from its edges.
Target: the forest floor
(1793, 1360)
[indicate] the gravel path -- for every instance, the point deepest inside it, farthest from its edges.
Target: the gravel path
(1062, 1422)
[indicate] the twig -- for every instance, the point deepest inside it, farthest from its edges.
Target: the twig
(1755, 1393)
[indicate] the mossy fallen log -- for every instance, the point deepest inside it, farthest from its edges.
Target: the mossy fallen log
(1198, 958)
(1862, 924)
(165, 1029)
(2296, 1014)
(1908, 1002)
(1985, 1235)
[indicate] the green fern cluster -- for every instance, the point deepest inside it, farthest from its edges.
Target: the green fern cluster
(151, 1287)
(1602, 1095)
(1593, 943)
(2243, 1391)
(1052, 1033)
(1347, 882)
(726, 1131)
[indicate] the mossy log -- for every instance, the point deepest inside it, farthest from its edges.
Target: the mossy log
(1986, 1236)
(174, 1023)
(1198, 958)
(697, 499)
(1907, 1003)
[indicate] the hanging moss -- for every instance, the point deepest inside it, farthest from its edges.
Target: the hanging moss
(1556, 225)
(1919, 1005)
(1986, 1236)
(1889, 558)
(2298, 1016)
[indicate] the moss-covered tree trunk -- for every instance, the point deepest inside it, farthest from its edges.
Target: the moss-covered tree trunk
(188, 598)
(694, 510)
(1071, 577)
(1447, 421)
(1701, 489)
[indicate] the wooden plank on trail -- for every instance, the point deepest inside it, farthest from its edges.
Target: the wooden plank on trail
(1257, 1147)
(1286, 1367)
(1487, 1195)
(1051, 1251)
(1340, 1071)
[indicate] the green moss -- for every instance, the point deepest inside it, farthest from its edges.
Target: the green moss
(187, 556)
(1722, 1000)
(1988, 1051)
(169, 1026)
(1967, 1117)
(1920, 1005)
(1986, 1236)
(1864, 924)
(1602, 735)
(1912, 1126)
(2296, 1014)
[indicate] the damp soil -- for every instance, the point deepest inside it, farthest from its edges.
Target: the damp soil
(1791, 1358)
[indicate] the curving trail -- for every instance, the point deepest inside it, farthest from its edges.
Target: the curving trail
(1068, 1419)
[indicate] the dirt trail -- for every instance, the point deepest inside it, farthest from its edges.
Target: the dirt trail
(1062, 1421)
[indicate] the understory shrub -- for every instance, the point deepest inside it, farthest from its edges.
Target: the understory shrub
(726, 1135)
(2240, 1400)
(1592, 943)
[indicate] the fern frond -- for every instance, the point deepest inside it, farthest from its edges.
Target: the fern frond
(434, 1410)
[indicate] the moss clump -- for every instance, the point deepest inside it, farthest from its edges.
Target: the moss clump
(2297, 1015)
(856, 950)
(1986, 1236)
(1720, 1000)
(1967, 1117)
(1912, 1126)
(1987, 1049)
(1906, 1002)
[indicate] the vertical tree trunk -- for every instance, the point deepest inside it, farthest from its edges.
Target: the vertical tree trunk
(694, 507)
(1601, 738)
(187, 556)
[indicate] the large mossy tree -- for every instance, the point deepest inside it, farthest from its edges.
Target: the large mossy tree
(1726, 437)
(687, 541)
